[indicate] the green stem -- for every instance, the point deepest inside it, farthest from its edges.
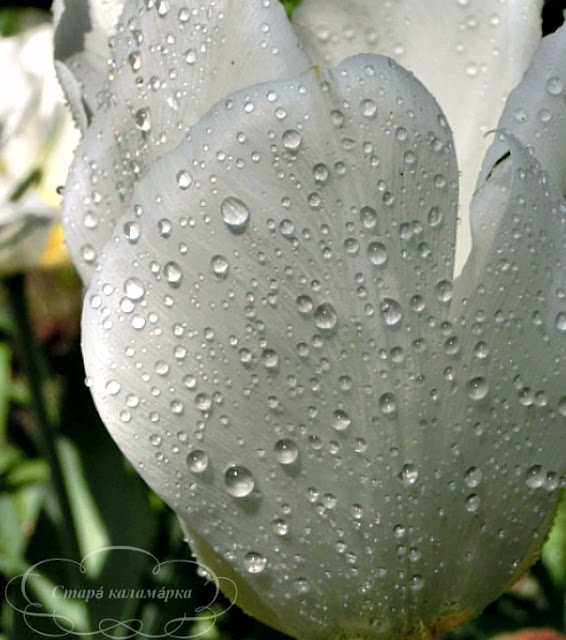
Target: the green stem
(31, 360)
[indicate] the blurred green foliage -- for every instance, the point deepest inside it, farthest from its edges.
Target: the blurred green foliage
(290, 6)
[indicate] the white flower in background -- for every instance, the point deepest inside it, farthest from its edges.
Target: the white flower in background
(36, 143)
(272, 334)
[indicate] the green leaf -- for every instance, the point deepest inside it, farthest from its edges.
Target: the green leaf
(290, 6)
(19, 512)
(554, 551)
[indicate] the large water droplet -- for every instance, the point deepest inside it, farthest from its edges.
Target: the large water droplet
(173, 274)
(387, 404)
(477, 388)
(368, 218)
(417, 583)
(554, 86)
(368, 108)
(239, 481)
(203, 402)
(135, 60)
(535, 477)
(292, 140)
(280, 526)
(472, 477)
(560, 322)
(142, 120)
(409, 475)
(220, 267)
(443, 291)
(134, 288)
(286, 451)
(377, 254)
(235, 214)
(304, 305)
(320, 173)
(341, 420)
(197, 461)
(325, 317)
(390, 311)
(473, 503)
(255, 562)
(132, 231)
(184, 179)
(270, 359)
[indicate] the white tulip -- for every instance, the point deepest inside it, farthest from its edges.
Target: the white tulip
(36, 144)
(272, 332)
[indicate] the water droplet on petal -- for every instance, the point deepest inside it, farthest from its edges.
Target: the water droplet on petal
(173, 274)
(184, 179)
(481, 350)
(377, 254)
(443, 291)
(239, 481)
(163, 7)
(472, 477)
(203, 402)
(220, 267)
(387, 404)
(560, 322)
(390, 311)
(112, 387)
(477, 388)
(304, 305)
(135, 60)
(325, 317)
(473, 503)
(554, 86)
(134, 288)
(270, 359)
(280, 527)
(368, 218)
(286, 451)
(302, 585)
(535, 477)
(197, 461)
(155, 440)
(320, 173)
(341, 420)
(142, 120)
(292, 140)
(235, 214)
(190, 56)
(368, 108)
(255, 562)
(132, 232)
(409, 475)
(435, 217)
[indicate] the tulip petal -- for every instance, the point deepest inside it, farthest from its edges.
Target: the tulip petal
(535, 112)
(508, 403)
(82, 29)
(257, 346)
(170, 67)
(469, 54)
